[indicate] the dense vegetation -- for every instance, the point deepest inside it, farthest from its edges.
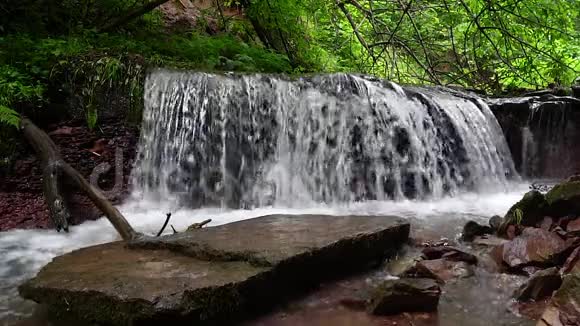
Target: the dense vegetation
(87, 46)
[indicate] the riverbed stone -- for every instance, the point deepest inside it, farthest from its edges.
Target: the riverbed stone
(441, 270)
(565, 306)
(573, 226)
(533, 247)
(472, 229)
(214, 274)
(540, 285)
(405, 295)
(572, 263)
(448, 253)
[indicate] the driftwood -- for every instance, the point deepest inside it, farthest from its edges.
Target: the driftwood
(55, 169)
(165, 225)
(196, 226)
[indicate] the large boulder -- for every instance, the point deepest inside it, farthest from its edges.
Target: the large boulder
(527, 212)
(533, 247)
(405, 295)
(564, 198)
(541, 285)
(211, 275)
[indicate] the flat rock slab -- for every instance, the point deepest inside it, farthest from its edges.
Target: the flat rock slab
(212, 274)
(269, 240)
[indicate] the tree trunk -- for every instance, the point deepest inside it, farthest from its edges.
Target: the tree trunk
(54, 170)
(132, 14)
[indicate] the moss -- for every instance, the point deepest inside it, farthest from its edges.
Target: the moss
(563, 191)
(528, 211)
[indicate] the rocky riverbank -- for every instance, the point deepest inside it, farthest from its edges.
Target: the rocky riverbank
(98, 152)
(540, 238)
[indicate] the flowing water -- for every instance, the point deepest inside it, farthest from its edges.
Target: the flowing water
(236, 147)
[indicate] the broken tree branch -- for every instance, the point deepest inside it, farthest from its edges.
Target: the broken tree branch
(196, 226)
(54, 170)
(164, 225)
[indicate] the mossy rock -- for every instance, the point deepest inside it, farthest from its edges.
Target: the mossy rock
(564, 199)
(567, 298)
(528, 211)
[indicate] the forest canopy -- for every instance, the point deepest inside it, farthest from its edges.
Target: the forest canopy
(493, 45)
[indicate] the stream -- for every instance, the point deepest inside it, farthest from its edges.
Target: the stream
(24, 252)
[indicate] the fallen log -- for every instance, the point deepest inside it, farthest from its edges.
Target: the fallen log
(55, 169)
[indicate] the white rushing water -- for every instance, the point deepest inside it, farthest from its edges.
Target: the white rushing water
(336, 144)
(256, 140)
(24, 252)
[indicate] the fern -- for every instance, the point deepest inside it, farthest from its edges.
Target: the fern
(9, 116)
(519, 215)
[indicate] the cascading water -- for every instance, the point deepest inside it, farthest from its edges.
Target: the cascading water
(335, 144)
(247, 141)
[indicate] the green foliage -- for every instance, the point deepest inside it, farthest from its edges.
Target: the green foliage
(494, 45)
(9, 116)
(519, 215)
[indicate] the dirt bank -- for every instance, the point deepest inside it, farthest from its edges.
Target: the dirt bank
(21, 201)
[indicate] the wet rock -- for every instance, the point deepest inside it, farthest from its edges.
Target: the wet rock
(564, 199)
(495, 222)
(511, 232)
(531, 270)
(532, 309)
(546, 223)
(542, 134)
(527, 212)
(405, 295)
(532, 247)
(565, 306)
(572, 264)
(441, 270)
(448, 253)
(559, 231)
(573, 226)
(473, 229)
(403, 263)
(489, 241)
(542, 284)
(215, 273)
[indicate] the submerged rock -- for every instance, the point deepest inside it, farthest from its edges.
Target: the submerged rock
(489, 241)
(214, 274)
(405, 295)
(542, 284)
(495, 222)
(533, 247)
(473, 229)
(449, 253)
(441, 270)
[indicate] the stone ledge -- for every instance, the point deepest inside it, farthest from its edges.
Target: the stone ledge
(218, 273)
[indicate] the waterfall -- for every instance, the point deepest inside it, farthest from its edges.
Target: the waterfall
(256, 140)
